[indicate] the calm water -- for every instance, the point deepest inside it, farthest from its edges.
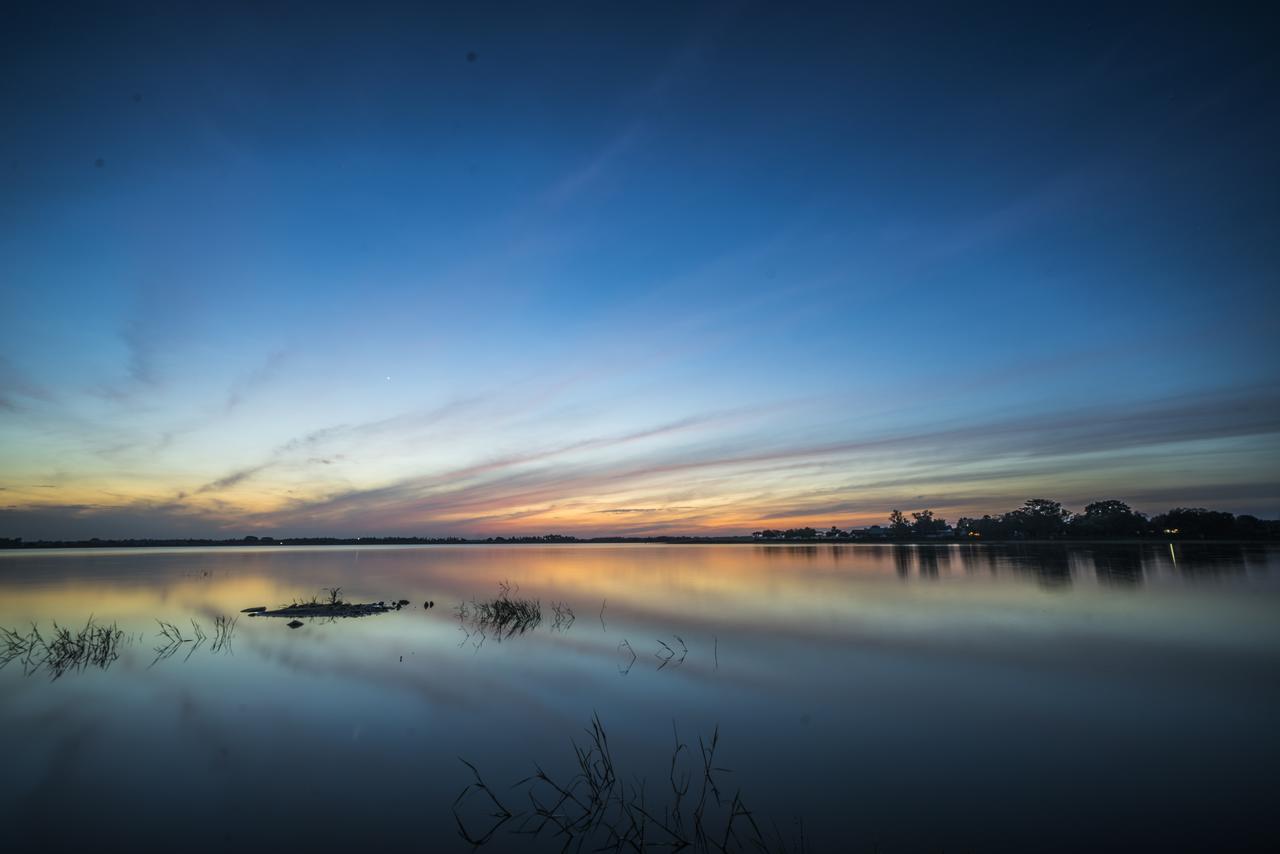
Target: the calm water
(879, 698)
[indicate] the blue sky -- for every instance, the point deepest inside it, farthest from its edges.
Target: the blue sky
(598, 268)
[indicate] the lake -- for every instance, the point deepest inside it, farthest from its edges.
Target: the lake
(865, 698)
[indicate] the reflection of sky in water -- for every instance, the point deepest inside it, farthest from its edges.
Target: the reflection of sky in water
(911, 697)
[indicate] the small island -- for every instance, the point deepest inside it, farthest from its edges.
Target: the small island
(331, 606)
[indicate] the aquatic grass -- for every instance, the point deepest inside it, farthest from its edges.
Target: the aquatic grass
(505, 615)
(171, 640)
(594, 809)
(332, 598)
(99, 645)
(499, 817)
(564, 616)
(223, 629)
(627, 646)
(667, 654)
(67, 650)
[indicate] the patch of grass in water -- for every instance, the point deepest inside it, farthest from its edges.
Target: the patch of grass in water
(597, 809)
(67, 650)
(505, 615)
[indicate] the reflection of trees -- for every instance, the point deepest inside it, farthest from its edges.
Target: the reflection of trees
(902, 561)
(971, 557)
(1214, 558)
(1049, 564)
(1053, 569)
(974, 558)
(992, 559)
(927, 561)
(1120, 566)
(775, 552)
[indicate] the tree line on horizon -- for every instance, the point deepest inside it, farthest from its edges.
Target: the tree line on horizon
(1043, 519)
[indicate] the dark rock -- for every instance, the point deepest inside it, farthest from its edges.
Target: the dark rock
(404, 601)
(255, 609)
(294, 624)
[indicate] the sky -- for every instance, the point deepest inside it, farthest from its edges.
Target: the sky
(498, 269)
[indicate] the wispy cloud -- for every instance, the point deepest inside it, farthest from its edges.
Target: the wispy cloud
(233, 479)
(255, 379)
(517, 483)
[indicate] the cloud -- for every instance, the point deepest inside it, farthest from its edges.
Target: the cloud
(705, 477)
(253, 380)
(232, 479)
(131, 520)
(142, 362)
(480, 491)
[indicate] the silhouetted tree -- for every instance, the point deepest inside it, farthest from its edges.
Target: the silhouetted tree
(898, 524)
(1039, 519)
(926, 523)
(988, 527)
(1248, 527)
(1110, 518)
(1195, 522)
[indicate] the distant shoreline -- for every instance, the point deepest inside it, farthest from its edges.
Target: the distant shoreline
(47, 545)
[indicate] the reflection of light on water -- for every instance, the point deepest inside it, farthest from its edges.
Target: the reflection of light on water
(1173, 554)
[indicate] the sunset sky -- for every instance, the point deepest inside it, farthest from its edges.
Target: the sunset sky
(631, 268)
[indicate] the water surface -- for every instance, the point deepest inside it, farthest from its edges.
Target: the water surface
(872, 697)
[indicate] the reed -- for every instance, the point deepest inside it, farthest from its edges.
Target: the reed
(596, 809)
(223, 629)
(668, 653)
(564, 616)
(626, 645)
(504, 616)
(66, 650)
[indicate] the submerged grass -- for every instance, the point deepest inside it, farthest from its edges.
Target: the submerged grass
(99, 645)
(223, 629)
(505, 615)
(595, 810)
(564, 616)
(67, 650)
